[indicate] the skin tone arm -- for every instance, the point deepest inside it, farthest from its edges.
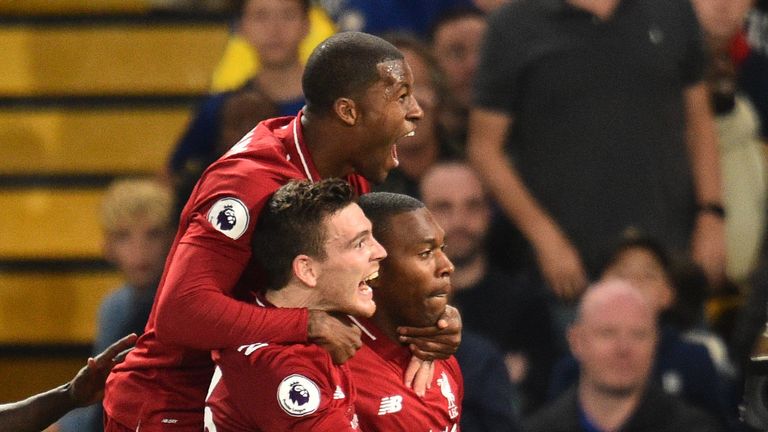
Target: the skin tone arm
(708, 240)
(558, 259)
(87, 387)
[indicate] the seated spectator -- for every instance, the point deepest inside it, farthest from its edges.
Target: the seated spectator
(682, 368)
(275, 28)
(613, 339)
(484, 293)
(241, 61)
(418, 152)
(136, 217)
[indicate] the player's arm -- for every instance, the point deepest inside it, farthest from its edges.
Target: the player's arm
(558, 259)
(708, 240)
(196, 310)
(87, 387)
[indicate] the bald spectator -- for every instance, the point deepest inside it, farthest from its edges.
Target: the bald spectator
(614, 339)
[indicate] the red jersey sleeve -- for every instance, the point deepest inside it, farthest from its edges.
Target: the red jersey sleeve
(211, 254)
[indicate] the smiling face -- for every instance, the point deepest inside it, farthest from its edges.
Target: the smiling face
(352, 257)
(387, 112)
(414, 280)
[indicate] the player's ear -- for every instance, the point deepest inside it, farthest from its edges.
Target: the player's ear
(305, 269)
(346, 110)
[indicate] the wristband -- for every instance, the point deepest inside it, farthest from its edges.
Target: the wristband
(713, 208)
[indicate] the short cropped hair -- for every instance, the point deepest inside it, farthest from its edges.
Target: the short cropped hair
(344, 65)
(291, 224)
(126, 200)
(380, 207)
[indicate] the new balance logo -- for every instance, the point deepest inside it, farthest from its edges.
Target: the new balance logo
(338, 393)
(391, 404)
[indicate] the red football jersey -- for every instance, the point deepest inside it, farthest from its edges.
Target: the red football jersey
(271, 388)
(163, 381)
(384, 403)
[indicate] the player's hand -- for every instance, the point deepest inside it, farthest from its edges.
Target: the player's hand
(436, 342)
(87, 387)
(335, 333)
(419, 374)
(428, 343)
(561, 265)
(708, 247)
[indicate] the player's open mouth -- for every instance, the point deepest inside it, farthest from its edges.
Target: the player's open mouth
(363, 285)
(394, 146)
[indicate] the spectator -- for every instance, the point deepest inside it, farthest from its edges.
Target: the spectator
(318, 251)
(482, 292)
(742, 157)
(456, 39)
(136, 217)
(754, 68)
(613, 339)
(604, 113)
(241, 61)
(275, 28)
(684, 365)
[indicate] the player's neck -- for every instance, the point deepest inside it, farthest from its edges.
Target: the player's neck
(386, 324)
(322, 138)
(291, 297)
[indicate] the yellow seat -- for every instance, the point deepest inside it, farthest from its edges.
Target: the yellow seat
(24, 376)
(47, 7)
(52, 307)
(89, 140)
(50, 223)
(104, 59)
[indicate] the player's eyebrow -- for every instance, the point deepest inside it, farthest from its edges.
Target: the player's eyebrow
(361, 235)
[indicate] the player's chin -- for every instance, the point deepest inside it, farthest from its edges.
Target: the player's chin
(364, 309)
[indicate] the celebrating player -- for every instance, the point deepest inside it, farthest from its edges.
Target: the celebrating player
(317, 249)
